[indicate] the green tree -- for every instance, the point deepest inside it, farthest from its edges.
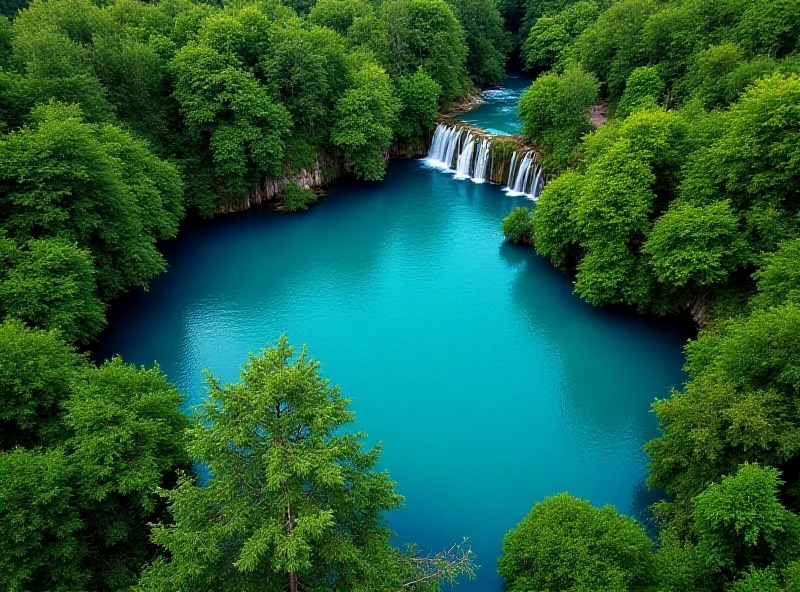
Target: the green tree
(40, 547)
(742, 524)
(555, 233)
(292, 498)
(419, 96)
(36, 370)
(51, 286)
(518, 226)
(338, 14)
(778, 278)
(566, 544)
(231, 115)
(695, 246)
(309, 70)
(126, 439)
(554, 112)
(364, 121)
(297, 198)
(612, 215)
(551, 37)
(608, 47)
(739, 406)
(487, 41)
(753, 163)
(424, 33)
(642, 90)
(63, 177)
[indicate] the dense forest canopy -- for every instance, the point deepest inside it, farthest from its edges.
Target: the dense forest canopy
(119, 118)
(687, 199)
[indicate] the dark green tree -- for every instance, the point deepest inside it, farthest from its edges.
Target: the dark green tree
(566, 544)
(126, 440)
(36, 371)
(554, 113)
(742, 524)
(365, 117)
(40, 545)
(488, 42)
(92, 185)
(51, 285)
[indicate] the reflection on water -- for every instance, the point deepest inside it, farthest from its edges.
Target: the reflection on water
(490, 384)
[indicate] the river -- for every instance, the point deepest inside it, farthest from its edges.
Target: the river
(489, 383)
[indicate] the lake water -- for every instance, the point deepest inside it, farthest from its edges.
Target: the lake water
(490, 384)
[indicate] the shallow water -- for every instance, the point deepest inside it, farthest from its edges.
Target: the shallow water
(489, 383)
(499, 115)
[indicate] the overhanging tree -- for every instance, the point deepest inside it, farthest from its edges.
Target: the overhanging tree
(293, 501)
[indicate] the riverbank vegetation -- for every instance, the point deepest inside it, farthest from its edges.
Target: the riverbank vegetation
(687, 200)
(117, 120)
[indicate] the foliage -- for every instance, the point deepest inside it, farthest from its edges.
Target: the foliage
(606, 47)
(517, 226)
(488, 43)
(297, 198)
(51, 285)
(226, 109)
(127, 436)
(63, 177)
(39, 546)
(36, 370)
(642, 90)
(554, 231)
(741, 523)
(695, 245)
(292, 496)
(753, 162)
(365, 116)
(423, 33)
(553, 113)
(566, 544)
(550, 39)
(418, 95)
(778, 278)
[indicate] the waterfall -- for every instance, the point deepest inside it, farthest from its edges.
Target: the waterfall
(526, 178)
(482, 161)
(456, 149)
(441, 146)
(464, 160)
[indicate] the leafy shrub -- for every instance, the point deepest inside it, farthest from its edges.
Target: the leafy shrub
(297, 198)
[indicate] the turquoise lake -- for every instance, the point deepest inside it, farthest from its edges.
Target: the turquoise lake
(489, 383)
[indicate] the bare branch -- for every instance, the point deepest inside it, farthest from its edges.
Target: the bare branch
(442, 567)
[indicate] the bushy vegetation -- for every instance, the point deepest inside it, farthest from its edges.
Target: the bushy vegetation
(297, 198)
(687, 199)
(117, 119)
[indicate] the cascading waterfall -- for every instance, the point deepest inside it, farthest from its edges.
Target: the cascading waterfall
(464, 160)
(525, 179)
(482, 162)
(456, 149)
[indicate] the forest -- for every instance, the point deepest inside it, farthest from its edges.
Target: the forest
(686, 200)
(119, 119)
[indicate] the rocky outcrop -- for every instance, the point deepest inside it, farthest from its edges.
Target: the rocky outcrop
(324, 170)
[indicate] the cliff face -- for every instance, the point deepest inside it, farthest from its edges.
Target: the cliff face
(326, 169)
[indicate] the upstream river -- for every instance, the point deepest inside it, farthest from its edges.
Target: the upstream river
(489, 383)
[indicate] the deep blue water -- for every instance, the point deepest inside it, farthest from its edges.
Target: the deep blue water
(490, 384)
(499, 115)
